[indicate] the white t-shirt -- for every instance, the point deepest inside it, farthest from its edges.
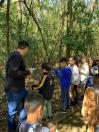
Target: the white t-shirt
(84, 73)
(75, 75)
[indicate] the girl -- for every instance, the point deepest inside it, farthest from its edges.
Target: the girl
(75, 80)
(84, 71)
(90, 107)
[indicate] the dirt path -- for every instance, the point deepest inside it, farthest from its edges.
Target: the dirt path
(72, 123)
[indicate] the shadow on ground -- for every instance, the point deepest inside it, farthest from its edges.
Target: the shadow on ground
(72, 123)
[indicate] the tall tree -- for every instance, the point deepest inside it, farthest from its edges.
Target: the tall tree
(69, 24)
(7, 19)
(31, 13)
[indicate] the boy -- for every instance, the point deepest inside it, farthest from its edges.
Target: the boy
(65, 76)
(34, 106)
(46, 89)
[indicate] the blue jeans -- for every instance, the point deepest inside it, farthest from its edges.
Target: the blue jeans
(15, 102)
(90, 82)
(65, 98)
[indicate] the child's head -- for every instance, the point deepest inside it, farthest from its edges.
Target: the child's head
(34, 105)
(90, 93)
(85, 60)
(46, 67)
(91, 62)
(72, 61)
(79, 63)
(62, 62)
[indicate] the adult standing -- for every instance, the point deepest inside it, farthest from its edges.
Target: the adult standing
(15, 84)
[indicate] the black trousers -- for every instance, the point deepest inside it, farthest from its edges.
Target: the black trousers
(74, 93)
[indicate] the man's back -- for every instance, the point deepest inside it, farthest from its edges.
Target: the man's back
(15, 73)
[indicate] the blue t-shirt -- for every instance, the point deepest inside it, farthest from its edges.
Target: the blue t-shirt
(65, 76)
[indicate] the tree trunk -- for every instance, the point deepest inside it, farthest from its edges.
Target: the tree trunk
(31, 13)
(60, 50)
(1, 2)
(69, 25)
(20, 21)
(8, 19)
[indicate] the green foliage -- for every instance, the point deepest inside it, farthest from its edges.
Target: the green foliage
(51, 16)
(82, 35)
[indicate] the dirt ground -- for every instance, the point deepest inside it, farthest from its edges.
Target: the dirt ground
(72, 123)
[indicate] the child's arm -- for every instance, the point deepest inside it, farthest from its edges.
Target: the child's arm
(42, 82)
(58, 73)
(84, 71)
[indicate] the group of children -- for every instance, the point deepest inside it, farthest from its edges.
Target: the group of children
(71, 74)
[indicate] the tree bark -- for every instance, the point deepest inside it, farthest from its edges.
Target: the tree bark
(31, 13)
(8, 19)
(20, 21)
(59, 35)
(69, 25)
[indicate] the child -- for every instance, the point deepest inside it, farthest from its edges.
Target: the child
(46, 89)
(90, 107)
(75, 79)
(65, 76)
(90, 82)
(84, 71)
(34, 106)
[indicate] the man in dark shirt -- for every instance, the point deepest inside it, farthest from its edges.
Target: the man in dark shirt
(15, 84)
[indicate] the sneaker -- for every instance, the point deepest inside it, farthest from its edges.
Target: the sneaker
(44, 119)
(63, 110)
(72, 103)
(69, 109)
(50, 118)
(47, 120)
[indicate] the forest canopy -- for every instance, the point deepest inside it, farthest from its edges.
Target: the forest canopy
(54, 28)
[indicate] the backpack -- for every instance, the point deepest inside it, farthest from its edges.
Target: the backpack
(24, 127)
(35, 128)
(38, 128)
